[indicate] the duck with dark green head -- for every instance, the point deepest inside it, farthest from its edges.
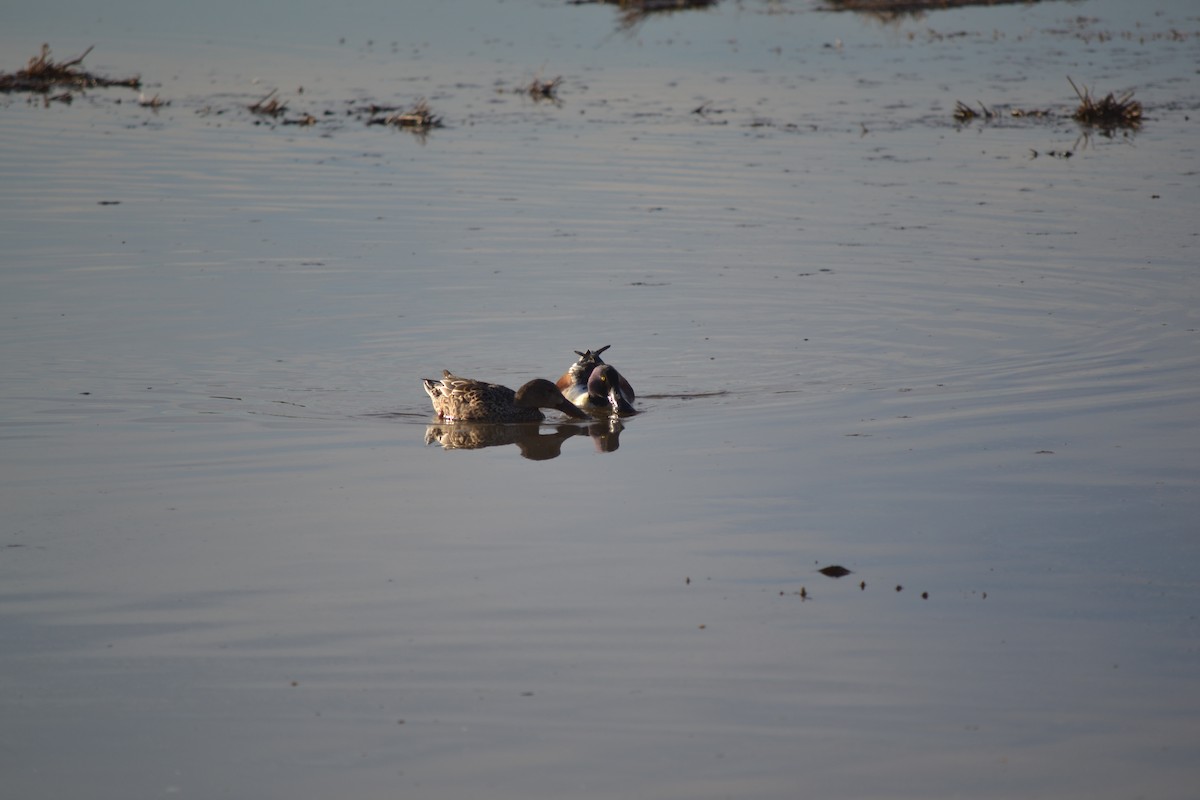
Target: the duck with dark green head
(597, 387)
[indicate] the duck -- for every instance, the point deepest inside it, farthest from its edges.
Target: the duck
(604, 393)
(466, 399)
(595, 386)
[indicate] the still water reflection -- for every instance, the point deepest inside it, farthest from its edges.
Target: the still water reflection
(536, 442)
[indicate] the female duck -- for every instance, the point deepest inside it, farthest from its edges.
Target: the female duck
(456, 398)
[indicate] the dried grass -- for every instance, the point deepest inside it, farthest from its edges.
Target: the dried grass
(1109, 113)
(417, 118)
(544, 90)
(1106, 114)
(269, 106)
(634, 12)
(42, 74)
(896, 9)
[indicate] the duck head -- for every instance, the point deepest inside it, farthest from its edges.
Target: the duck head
(574, 382)
(605, 386)
(541, 393)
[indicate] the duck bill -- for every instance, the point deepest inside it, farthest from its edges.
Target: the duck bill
(619, 404)
(568, 408)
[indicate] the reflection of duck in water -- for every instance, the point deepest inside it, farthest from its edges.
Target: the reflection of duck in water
(534, 441)
(457, 398)
(597, 387)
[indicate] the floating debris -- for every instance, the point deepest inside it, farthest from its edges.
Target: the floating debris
(42, 74)
(1109, 113)
(269, 106)
(964, 113)
(1106, 114)
(544, 90)
(834, 571)
(894, 9)
(304, 120)
(419, 118)
(634, 12)
(152, 102)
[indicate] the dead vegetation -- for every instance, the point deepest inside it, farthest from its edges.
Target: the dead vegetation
(895, 9)
(418, 118)
(964, 113)
(633, 13)
(269, 106)
(1109, 113)
(544, 90)
(155, 102)
(42, 74)
(537, 89)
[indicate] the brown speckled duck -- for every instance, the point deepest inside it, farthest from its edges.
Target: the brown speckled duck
(456, 398)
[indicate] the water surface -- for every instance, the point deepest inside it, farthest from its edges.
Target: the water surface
(947, 357)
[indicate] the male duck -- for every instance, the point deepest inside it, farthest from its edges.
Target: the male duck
(595, 386)
(456, 398)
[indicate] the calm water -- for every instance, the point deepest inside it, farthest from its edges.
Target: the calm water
(237, 560)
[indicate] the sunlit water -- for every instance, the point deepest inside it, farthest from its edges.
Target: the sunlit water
(237, 560)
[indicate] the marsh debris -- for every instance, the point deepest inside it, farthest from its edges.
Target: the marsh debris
(269, 106)
(155, 102)
(544, 90)
(1031, 113)
(1106, 114)
(419, 117)
(304, 120)
(273, 107)
(895, 9)
(964, 113)
(42, 74)
(1109, 113)
(633, 13)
